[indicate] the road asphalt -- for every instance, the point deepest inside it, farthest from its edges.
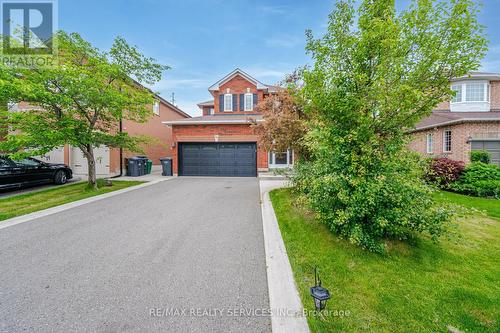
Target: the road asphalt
(186, 255)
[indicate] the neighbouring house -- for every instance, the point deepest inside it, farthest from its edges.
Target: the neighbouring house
(111, 161)
(470, 121)
(222, 141)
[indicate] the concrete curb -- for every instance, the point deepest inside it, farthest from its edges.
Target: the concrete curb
(53, 210)
(283, 294)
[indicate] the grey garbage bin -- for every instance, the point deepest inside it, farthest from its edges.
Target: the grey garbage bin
(136, 167)
(144, 164)
(166, 165)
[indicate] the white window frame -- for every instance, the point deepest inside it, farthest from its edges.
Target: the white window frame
(156, 108)
(429, 143)
(230, 108)
(289, 160)
(444, 141)
(463, 95)
(246, 106)
(461, 104)
(210, 111)
(459, 95)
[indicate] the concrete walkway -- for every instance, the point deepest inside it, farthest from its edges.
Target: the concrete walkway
(186, 255)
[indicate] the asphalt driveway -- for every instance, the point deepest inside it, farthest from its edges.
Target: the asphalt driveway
(185, 255)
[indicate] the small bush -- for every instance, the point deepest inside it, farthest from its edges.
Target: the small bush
(444, 171)
(479, 179)
(368, 208)
(480, 156)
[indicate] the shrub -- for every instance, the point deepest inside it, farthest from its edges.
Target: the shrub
(366, 208)
(480, 156)
(444, 171)
(479, 179)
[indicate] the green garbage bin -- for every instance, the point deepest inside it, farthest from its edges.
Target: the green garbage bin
(149, 165)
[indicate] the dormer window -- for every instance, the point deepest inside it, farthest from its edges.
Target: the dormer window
(471, 96)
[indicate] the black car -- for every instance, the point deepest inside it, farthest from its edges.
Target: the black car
(30, 171)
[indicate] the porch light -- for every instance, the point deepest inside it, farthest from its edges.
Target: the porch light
(318, 293)
(469, 139)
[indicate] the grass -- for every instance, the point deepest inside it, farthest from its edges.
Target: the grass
(422, 287)
(32, 202)
(490, 206)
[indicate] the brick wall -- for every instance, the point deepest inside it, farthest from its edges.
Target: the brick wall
(237, 85)
(217, 133)
(161, 133)
(460, 133)
(495, 95)
(205, 110)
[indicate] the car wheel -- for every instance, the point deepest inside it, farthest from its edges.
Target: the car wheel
(60, 178)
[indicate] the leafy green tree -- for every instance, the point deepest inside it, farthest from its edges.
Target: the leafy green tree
(376, 73)
(80, 100)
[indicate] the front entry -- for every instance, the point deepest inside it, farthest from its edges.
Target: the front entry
(228, 159)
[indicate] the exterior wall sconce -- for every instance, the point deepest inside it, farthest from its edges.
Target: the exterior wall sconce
(469, 139)
(318, 293)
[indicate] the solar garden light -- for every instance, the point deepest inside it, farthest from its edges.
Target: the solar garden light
(318, 293)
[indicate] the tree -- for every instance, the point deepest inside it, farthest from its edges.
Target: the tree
(376, 73)
(80, 100)
(284, 126)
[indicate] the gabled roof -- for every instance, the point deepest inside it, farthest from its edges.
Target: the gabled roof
(446, 118)
(173, 107)
(237, 71)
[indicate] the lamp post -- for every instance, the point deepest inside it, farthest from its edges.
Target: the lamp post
(318, 293)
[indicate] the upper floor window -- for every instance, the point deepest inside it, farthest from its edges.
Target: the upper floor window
(210, 111)
(457, 88)
(470, 96)
(430, 143)
(228, 102)
(471, 92)
(156, 108)
(476, 92)
(248, 102)
(447, 141)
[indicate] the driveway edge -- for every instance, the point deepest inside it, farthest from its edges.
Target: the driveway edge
(53, 210)
(283, 293)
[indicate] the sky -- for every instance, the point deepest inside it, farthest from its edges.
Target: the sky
(203, 40)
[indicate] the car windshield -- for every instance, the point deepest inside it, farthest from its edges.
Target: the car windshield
(28, 162)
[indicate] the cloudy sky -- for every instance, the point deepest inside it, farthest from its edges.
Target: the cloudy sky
(204, 40)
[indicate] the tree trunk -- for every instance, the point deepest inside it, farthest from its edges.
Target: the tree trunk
(92, 176)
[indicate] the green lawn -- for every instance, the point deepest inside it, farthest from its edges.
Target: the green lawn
(423, 287)
(32, 202)
(490, 206)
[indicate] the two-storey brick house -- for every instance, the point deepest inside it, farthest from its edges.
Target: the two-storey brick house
(222, 141)
(468, 122)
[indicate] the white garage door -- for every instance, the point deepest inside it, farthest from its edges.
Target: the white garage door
(80, 166)
(54, 156)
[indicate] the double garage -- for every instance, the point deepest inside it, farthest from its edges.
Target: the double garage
(226, 159)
